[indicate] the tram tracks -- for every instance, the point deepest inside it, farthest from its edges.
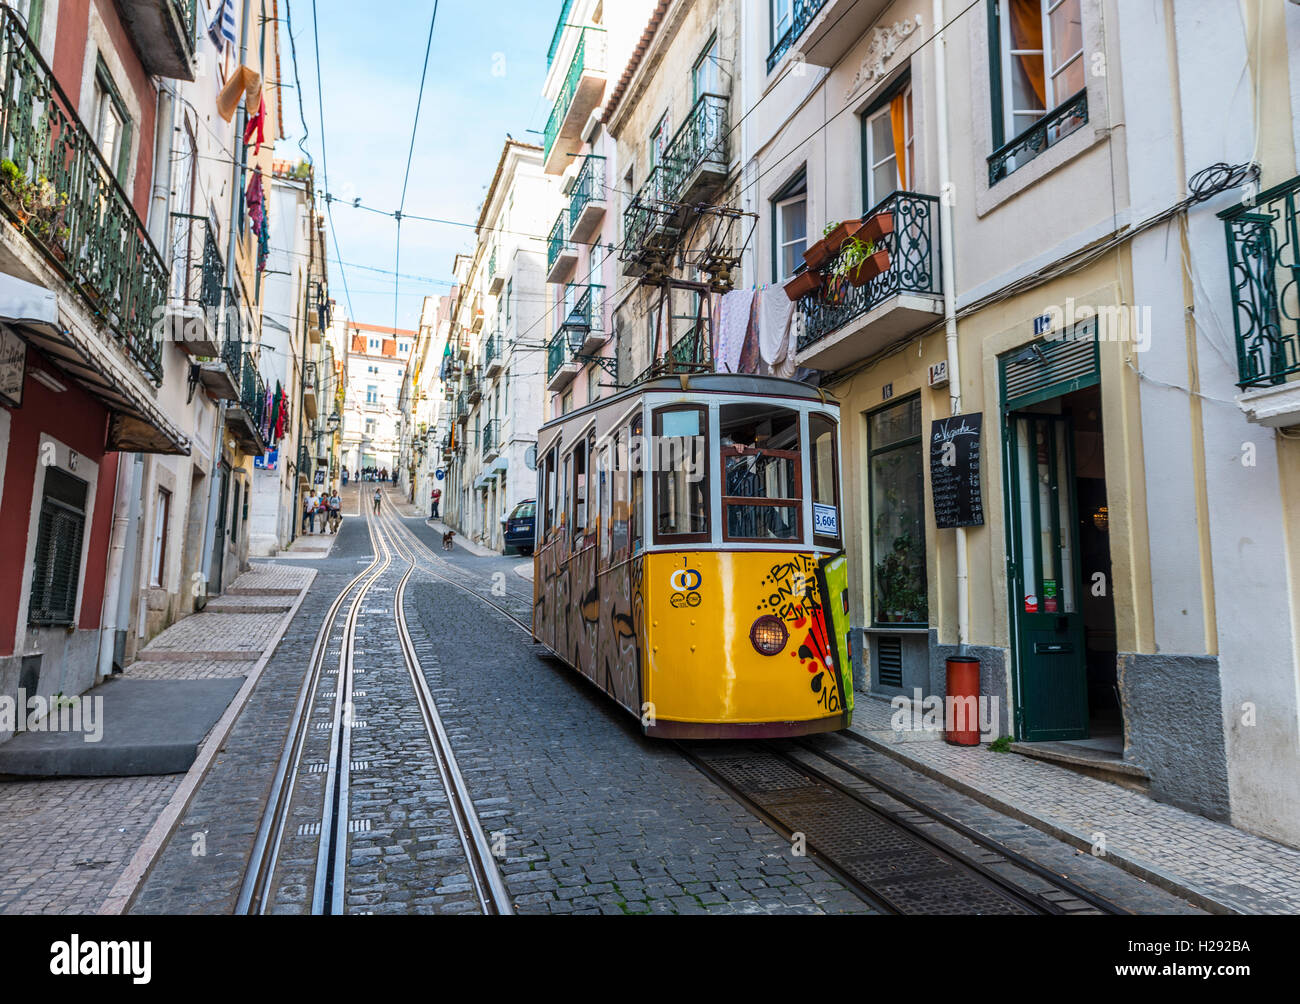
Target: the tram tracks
(329, 886)
(896, 859)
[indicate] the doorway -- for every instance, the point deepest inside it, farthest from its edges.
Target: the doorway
(1063, 605)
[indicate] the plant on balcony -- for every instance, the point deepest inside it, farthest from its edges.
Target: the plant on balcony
(806, 282)
(15, 191)
(862, 261)
(833, 239)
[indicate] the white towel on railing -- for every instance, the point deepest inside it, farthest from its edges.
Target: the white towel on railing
(733, 321)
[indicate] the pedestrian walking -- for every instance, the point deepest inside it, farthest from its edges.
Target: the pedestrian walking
(436, 497)
(335, 507)
(313, 507)
(379, 494)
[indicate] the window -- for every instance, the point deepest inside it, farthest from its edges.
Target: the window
(888, 148)
(790, 224)
(374, 344)
(1039, 68)
(162, 513)
(781, 19)
(706, 77)
(566, 403)
(762, 487)
(112, 124)
(593, 383)
(618, 496)
(370, 426)
(896, 471)
(658, 142)
(510, 296)
(548, 492)
(824, 460)
(56, 567)
(30, 12)
(681, 482)
(604, 501)
(372, 394)
(636, 464)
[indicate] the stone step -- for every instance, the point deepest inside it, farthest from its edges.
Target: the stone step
(246, 604)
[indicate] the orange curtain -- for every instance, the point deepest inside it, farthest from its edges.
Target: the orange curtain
(897, 114)
(1027, 33)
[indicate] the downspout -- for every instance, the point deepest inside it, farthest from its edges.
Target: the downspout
(949, 285)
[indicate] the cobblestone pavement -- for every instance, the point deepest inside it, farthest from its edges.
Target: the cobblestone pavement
(1212, 863)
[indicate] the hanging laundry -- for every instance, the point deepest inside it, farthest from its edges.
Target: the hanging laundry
(733, 320)
(257, 124)
(244, 83)
(282, 413)
(222, 28)
(774, 312)
(255, 203)
(751, 359)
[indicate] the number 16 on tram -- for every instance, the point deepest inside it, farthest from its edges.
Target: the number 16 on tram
(689, 557)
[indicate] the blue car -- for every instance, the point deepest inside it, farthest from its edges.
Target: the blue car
(521, 527)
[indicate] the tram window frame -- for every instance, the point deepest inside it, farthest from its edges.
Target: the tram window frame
(636, 488)
(620, 498)
(704, 536)
(604, 496)
(822, 540)
(548, 492)
(796, 502)
(578, 496)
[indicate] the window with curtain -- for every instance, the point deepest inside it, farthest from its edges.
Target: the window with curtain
(790, 218)
(1041, 64)
(889, 145)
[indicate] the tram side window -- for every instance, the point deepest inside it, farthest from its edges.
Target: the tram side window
(604, 494)
(618, 502)
(636, 465)
(579, 490)
(762, 489)
(548, 484)
(681, 482)
(825, 481)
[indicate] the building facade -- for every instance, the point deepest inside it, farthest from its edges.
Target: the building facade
(375, 367)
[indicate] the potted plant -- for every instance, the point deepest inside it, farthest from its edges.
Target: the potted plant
(866, 261)
(15, 191)
(805, 282)
(833, 238)
(879, 226)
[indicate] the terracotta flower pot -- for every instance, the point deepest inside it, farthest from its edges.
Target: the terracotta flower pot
(836, 238)
(817, 255)
(879, 226)
(871, 267)
(803, 284)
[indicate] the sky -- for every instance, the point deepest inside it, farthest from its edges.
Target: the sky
(486, 70)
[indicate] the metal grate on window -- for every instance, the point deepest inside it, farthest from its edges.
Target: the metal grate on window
(889, 661)
(56, 571)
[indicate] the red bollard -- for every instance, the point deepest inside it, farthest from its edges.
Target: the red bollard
(964, 685)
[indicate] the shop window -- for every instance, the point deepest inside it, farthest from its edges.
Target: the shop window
(896, 472)
(56, 571)
(762, 493)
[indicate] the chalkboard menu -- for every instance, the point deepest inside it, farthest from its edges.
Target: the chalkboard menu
(955, 471)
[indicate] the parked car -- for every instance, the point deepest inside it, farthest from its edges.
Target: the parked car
(520, 527)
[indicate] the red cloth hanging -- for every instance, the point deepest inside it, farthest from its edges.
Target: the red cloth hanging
(257, 124)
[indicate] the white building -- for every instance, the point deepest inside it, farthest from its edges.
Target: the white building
(375, 368)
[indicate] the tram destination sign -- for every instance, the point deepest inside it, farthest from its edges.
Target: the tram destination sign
(955, 471)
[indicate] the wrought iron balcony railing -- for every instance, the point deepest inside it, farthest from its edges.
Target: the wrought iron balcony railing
(702, 138)
(1052, 127)
(198, 272)
(462, 407)
(489, 439)
(58, 186)
(800, 17)
(648, 221)
(558, 242)
(558, 353)
(491, 350)
(589, 55)
(913, 248)
(589, 186)
(585, 316)
(1264, 271)
(304, 462)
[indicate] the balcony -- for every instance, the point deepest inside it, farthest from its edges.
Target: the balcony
(561, 255)
(163, 33)
(322, 440)
(220, 373)
(64, 198)
(304, 466)
(473, 388)
(843, 322)
(309, 391)
(823, 31)
(696, 160)
(462, 408)
(247, 419)
(587, 200)
(492, 361)
(496, 280)
(651, 227)
(491, 448)
(1053, 127)
(1264, 272)
(584, 324)
(194, 308)
(561, 367)
(583, 87)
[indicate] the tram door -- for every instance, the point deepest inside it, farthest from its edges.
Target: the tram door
(1053, 683)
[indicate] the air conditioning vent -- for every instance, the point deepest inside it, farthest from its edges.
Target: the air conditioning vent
(889, 661)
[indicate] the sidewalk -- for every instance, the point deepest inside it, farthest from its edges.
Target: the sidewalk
(1213, 865)
(478, 550)
(69, 841)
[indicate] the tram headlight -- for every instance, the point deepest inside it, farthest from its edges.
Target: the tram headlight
(769, 635)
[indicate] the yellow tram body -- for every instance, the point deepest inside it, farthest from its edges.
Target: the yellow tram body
(707, 597)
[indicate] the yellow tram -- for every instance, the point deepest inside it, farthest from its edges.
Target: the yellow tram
(689, 558)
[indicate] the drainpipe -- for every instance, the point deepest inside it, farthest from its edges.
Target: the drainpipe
(120, 574)
(949, 285)
(163, 149)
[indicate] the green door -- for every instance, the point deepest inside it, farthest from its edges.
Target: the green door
(1044, 570)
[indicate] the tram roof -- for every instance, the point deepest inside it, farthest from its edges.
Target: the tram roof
(705, 384)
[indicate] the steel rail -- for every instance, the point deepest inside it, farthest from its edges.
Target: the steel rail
(255, 890)
(970, 833)
(489, 886)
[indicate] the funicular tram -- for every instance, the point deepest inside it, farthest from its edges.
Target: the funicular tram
(689, 557)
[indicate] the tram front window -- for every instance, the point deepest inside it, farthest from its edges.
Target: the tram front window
(681, 485)
(762, 482)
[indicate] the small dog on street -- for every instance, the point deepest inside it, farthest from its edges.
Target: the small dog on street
(446, 539)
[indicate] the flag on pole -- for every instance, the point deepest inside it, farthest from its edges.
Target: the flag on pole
(222, 29)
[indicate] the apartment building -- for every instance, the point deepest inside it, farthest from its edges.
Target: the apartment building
(375, 369)
(493, 373)
(1052, 204)
(424, 411)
